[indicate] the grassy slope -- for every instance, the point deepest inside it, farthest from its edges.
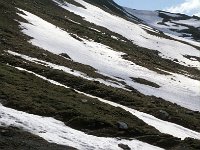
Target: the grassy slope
(56, 15)
(10, 40)
(44, 104)
(141, 56)
(24, 91)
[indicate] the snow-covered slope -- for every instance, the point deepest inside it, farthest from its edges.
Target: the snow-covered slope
(55, 131)
(175, 87)
(175, 24)
(135, 33)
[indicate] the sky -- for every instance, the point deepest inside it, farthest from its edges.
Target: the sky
(190, 7)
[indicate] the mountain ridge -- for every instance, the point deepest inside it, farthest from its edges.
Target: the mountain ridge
(162, 20)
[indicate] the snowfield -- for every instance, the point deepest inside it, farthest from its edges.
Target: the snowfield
(55, 131)
(163, 126)
(169, 49)
(175, 88)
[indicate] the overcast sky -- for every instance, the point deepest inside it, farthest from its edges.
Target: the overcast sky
(178, 6)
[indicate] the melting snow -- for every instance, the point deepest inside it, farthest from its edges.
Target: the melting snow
(175, 88)
(169, 49)
(68, 70)
(55, 131)
(163, 126)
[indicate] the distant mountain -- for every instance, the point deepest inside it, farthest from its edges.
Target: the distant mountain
(90, 74)
(176, 24)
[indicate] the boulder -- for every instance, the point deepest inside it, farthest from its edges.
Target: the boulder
(84, 100)
(122, 125)
(124, 147)
(163, 114)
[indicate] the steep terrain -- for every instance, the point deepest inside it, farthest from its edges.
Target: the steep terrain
(90, 74)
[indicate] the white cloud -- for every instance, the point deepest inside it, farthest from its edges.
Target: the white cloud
(197, 14)
(190, 7)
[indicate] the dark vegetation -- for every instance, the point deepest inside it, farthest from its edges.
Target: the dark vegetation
(108, 5)
(76, 110)
(146, 82)
(65, 55)
(71, 2)
(163, 14)
(194, 58)
(194, 31)
(113, 8)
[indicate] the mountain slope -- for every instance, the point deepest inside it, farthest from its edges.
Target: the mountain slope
(122, 81)
(147, 40)
(176, 24)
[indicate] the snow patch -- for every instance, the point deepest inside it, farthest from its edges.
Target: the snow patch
(190, 22)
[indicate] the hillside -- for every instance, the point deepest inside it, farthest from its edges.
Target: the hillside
(90, 74)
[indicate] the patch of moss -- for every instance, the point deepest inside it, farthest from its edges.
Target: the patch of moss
(144, 81)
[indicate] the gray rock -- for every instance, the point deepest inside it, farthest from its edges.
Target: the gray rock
(84, 100)
(124, 147)
(164, 114)
(122, 125)
(176, 60)
(189, 112)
